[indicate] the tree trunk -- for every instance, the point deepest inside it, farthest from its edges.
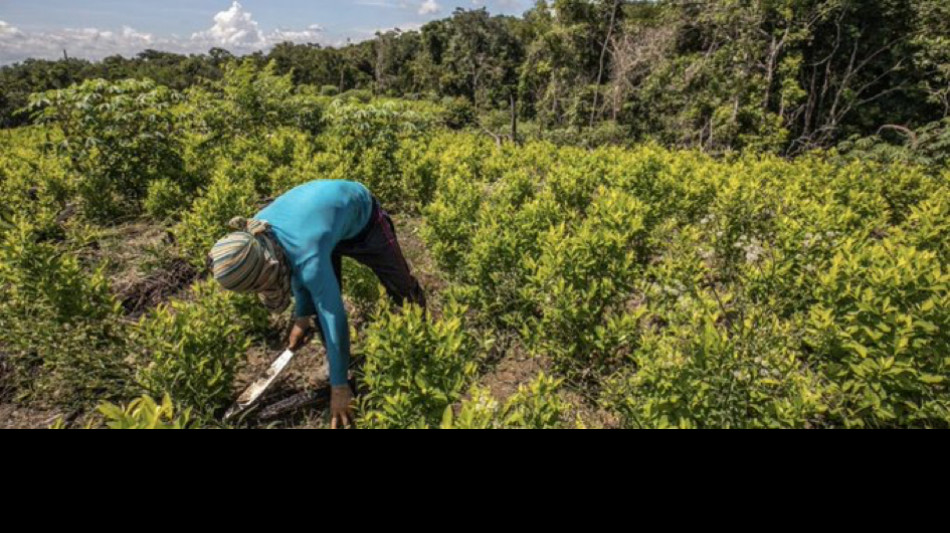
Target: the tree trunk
(603, 55)
(514, 118)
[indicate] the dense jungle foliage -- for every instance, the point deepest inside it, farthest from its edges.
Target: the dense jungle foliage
(783, 76)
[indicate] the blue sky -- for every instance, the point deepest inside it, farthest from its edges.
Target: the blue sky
(96, 28)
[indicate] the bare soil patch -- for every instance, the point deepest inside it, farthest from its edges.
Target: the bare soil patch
(137, 297)
(19, 417)
(142, 266)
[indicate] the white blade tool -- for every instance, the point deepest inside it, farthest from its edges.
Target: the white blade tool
(257, 389)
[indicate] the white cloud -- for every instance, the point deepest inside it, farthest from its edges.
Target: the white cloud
(234, 29)
(132, 35)
(16, 45)
(429, 7)
(310, 35)
(7, 30)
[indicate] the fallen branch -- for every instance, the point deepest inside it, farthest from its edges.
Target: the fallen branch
(909, 133)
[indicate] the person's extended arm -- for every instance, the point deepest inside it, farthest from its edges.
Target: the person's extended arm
(320, 281)
(328, 302)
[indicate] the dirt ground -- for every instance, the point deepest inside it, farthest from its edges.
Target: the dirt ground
(16, 417)
(143, 273)
(516, 368)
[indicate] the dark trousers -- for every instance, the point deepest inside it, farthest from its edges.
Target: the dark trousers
(377, 248)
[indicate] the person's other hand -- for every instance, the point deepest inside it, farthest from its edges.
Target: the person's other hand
(300, 334)
(341, 407)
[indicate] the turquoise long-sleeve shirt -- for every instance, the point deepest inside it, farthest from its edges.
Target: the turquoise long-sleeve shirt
(308, 222)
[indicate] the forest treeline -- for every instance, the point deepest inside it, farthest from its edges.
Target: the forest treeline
(782, 76)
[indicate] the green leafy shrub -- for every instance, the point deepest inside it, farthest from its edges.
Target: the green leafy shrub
(60, 322)
(419, 177)
(191, 350)
(164, 199)
(145, 413)
(582, 283)
(415, 367)
(879, 332)
(361, 287)
(535, 406)
(928, 225)
(365, 141)
(509, 234)
(928, 146)
(451, 223)
(246, 101)
(459, 113)
(229, 195)
(34, 181)
(706, 370)
(118, 137)
(361, 96)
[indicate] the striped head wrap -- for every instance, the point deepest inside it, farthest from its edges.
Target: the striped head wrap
(251, 260)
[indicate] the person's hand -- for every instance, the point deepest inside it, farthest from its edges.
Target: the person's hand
(341, 407)
(300, 334)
